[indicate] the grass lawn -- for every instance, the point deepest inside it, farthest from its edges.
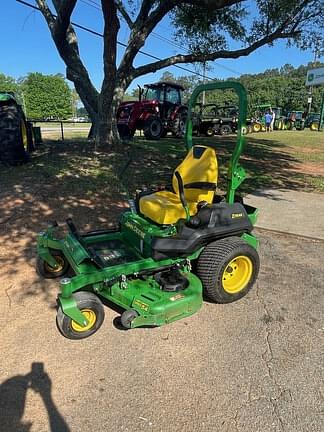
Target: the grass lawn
(55, 125)
(71, 130)
(281, 159)
(73, 174)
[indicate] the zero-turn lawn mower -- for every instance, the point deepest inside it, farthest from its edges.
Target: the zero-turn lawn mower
(172, 248)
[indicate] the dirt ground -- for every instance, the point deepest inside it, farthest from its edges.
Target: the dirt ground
(255, 365)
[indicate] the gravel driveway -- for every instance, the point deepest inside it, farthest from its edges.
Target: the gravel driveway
(254, 365)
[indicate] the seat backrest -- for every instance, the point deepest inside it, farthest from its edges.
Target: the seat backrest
(199, 172)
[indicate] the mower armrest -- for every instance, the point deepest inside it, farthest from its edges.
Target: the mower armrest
(75, 232)
(90, 251)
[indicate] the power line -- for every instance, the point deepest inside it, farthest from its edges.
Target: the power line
(87, 29)
(96, 5)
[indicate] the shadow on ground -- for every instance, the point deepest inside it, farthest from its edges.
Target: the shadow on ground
(69, 180)
(13, 394)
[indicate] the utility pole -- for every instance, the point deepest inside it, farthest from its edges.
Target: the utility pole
(310, 91)
(204, 82)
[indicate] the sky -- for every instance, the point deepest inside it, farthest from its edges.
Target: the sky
(26, 46)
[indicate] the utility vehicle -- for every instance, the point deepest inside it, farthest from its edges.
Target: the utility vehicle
(214, 119)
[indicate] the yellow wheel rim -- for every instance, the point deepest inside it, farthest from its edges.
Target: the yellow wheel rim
(237, 274)
(90, 315)
(314, 126)
(256, 127)
(60, 264)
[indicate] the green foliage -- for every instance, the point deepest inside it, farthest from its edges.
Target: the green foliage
(283, 88)
(47, 96)
(8, 83)
(188, 82)
(206, 29)
(82, 112)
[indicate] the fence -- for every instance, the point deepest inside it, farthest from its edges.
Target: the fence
(62, 129)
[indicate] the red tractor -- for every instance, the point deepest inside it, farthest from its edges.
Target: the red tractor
(157, 112)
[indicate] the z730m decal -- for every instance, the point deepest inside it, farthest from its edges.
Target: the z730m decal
(237, 215)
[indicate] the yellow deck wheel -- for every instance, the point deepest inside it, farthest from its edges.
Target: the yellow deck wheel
(237, 274)
(90, 315)
(314, 126)
(60, 265)
(46, 271)
(91, 309)
(256, 127)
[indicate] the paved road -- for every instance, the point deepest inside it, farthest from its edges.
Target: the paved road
(290, 211)
(255, 365)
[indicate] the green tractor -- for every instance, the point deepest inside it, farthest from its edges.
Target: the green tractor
(16, 139)
(312, 121)
(172, 248)
(295, 120)
(258, 125)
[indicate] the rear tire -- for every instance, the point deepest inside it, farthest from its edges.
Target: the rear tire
(12, 151)
(153, 128)
(279, 125)
(91, 307)
(228, 269)
(210, 131)
(179, 125)
(225, 129)
(289, 125)
(256, 127)
(314, 126)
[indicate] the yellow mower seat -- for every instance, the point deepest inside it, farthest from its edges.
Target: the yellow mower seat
(199, 173)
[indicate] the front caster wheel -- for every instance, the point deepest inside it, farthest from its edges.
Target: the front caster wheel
(228, 269)
(46, 271)
(91, 307)
(127, 317)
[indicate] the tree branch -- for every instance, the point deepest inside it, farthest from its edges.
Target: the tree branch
(45, 10)
(143, 13)
(146, 22)
(123, 12)
(64, 11)
(282, 32)
(222, 54)
(111, 27)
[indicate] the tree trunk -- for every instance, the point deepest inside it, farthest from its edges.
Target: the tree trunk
(107, 134)
(107, 137)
